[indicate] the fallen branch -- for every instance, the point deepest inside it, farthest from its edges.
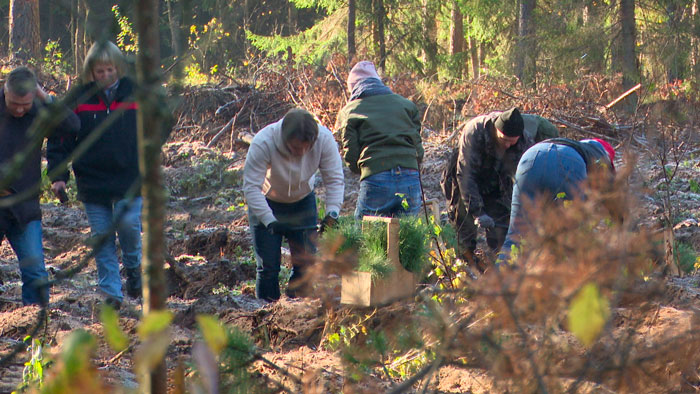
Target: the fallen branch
(622, 96)
(585, 131)
(230, 125)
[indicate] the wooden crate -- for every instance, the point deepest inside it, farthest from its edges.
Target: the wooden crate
(358, 288)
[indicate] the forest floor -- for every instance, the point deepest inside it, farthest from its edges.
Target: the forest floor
(211, 270)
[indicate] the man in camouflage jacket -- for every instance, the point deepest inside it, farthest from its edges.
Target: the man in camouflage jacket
(478, 180)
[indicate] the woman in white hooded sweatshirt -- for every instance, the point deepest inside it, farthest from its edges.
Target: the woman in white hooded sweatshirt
(278, 183)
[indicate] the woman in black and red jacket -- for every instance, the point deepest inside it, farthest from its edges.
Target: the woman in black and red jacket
(106, 167)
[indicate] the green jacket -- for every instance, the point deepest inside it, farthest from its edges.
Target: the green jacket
(380, 133)
(539, 128)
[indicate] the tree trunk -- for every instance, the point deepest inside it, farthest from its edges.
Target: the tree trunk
(101, 25)
(430, 47)
(628, 57)
(150, 125)
(457, 36)
(174, 17)
(474, 55)
(695, 41)
(292, 16)
(674, 61)
(379, 40)
(592, 21)
(525, 67)
(351, 32)
(24, 30)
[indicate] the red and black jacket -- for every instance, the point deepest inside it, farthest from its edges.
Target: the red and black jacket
(110, 166)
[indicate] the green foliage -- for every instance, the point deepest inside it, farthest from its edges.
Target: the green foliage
(414, 247)
(54, 62)
(204, 42)
(33, 373)
(588, 313)
(235, 360)
(694, 186)
(370, 239)
(349, 230)
(207, 173)
(373, 257)
(312, 46)
(75, 369)
(127, 40)
(114, 335)
(686, 256)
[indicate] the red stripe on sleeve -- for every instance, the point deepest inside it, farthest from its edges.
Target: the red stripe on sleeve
(125, 106)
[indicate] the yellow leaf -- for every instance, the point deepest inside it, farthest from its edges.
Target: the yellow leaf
(214, 334)
(588, 312)
(114, 335)
(154, 323)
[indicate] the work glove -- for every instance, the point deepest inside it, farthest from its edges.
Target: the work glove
(328, 222)
(485, 221)
(277, 228)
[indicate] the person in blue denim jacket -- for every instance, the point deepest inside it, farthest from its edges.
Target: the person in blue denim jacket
(554, 169)
(381, 141)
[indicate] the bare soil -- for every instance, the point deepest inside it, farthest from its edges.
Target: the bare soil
(210, 270)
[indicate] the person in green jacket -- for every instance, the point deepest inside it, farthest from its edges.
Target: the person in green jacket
(539, 128)
(381, 141)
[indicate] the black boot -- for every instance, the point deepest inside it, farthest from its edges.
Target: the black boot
(133, 282)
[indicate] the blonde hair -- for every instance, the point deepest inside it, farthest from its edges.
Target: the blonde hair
(103, 52)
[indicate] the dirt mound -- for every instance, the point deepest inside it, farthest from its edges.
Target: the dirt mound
(192, 278)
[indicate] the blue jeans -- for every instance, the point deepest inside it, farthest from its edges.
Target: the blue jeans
(383, 194)
(26, 242)
(544, 171)
(101, 218)
(302, 215)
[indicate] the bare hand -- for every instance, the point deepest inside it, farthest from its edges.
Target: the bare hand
(58, 188)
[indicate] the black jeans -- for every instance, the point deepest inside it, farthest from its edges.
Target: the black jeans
(301, 216)
(467, 230)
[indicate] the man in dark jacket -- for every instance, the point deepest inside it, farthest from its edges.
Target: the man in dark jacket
(554, 169)
(20, 214)
(381, 141)
(477, 181)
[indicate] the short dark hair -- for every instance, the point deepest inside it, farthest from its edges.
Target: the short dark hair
(300, 125)
(21, 81)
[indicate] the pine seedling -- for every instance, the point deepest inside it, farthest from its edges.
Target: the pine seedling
(413, 244)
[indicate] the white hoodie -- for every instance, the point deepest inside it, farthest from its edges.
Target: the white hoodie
(272, 171)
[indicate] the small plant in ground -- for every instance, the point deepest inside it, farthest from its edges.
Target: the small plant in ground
(686, 256)
(33, 373)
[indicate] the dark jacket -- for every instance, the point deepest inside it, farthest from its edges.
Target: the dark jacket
(475, 172)
(109, 167)
(380, 133)
(18, 136)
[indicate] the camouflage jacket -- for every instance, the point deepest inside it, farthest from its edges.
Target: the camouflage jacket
(479, 173)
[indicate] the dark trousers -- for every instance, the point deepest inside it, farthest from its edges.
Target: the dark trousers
(301, 216)
(467, 230)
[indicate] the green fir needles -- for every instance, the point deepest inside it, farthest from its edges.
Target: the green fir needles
(369, 241)
(414, 245)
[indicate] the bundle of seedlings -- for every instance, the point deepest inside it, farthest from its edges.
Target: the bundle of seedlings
(368, 240)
